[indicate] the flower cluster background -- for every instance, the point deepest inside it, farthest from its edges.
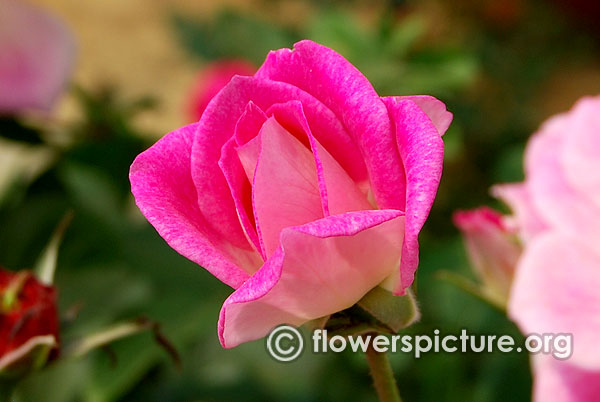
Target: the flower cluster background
(131, 71)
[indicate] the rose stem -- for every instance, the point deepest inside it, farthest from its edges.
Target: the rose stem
(383, 376)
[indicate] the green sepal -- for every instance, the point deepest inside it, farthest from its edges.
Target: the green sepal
(394, 312)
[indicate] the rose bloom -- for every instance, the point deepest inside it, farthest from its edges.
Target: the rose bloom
(299, 187)
(556, 287)
(210, 81)
(37, 53)
(28, 319)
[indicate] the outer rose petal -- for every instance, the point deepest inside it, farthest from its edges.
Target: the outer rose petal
(320, 268)
(285, 190)
(164, 191)
(218, 124)
(37, 53)
(422, 150)
(559, 381)
(434, 108)
(330, 78)
(555, 290)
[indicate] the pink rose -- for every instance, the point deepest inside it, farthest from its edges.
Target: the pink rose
(299, 187)
(556, 288)
(492, 248)
(211, 80)
(36, 57)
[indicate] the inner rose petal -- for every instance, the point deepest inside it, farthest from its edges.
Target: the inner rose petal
(285, 189)
(339, 193)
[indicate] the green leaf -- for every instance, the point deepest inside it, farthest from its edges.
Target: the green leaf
(395, 312)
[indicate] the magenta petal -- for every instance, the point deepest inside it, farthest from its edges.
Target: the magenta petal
(241, 190)
(285, 187)
(330, 78)
(555, 290)
(434, 108)
(320, 268)
(164, 191)
(560, 381)
(37, 53)
(249, 123)
(422, 151)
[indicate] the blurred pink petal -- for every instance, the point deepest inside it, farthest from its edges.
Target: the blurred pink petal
(560, 381)
(581, 153)
(555, 290)
(320, 268)
(555, 199)
(37, 53)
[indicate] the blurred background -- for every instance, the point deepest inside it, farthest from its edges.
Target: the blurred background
(141, 70)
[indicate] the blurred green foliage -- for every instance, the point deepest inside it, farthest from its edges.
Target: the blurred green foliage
(113, 266)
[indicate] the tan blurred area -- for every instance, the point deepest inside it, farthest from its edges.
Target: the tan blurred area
(131, 45)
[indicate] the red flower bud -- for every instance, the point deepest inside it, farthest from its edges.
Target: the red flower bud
(28, 321)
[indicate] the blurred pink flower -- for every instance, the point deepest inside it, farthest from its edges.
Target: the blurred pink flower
(211, 80)
(37, 54)
(492, 247)
(557, 283)
(299, 187)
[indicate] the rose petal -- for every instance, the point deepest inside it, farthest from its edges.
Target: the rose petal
(285, 190)
(249, 123)
(435, 110)
(164, 191)
(241, 190)
(321, 268)
(422, 151)
(555, 290)
(342, 88)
